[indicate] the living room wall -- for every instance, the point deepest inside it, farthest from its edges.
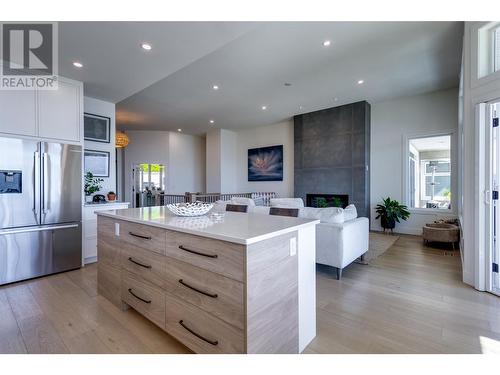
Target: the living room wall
(227, 157)
(268, 135)
(394, 120)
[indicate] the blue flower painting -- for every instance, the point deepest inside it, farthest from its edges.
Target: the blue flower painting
(265, 164)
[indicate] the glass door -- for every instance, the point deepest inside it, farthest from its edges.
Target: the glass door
(148, 184)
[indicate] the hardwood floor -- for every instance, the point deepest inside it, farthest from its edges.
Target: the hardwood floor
(409, 300)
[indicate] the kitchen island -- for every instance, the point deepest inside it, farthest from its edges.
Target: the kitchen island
(243, 283)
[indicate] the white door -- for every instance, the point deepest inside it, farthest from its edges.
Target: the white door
(59, 112)
(18, 112)
(492, 177)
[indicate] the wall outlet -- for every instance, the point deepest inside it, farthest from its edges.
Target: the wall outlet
(117, 229)
(293, 246)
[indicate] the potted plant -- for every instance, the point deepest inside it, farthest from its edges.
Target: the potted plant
(390, 212)
(92, 184)
(111, 196)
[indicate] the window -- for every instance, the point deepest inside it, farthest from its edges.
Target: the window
(151, 177)
(496, 48)
(488, 49)
(429, 167)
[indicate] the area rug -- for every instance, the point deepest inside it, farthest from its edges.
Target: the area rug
(378, 244)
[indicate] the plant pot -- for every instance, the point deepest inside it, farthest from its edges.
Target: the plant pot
(111, 197)
(387, 223)
(88, 199)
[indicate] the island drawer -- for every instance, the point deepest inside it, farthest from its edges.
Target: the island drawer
(214, 293)
(200, 331)
(144, 236)
(144, 297)
(222, 257)
(144, 263)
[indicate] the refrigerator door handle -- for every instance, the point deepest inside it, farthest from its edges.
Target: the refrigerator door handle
(36, 229)
(36, 177)
(45, 190)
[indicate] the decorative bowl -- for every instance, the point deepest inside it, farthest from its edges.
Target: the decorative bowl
(190, 209)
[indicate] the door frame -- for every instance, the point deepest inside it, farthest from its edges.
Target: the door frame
(485, 188)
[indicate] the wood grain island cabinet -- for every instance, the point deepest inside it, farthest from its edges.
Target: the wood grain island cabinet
(245, 284)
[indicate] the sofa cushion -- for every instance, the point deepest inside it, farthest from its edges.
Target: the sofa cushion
(287, 202)
(241, 200)
(350, 212)
(332, 215)
(263, 210)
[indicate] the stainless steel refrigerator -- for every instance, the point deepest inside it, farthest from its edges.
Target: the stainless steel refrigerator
(40, 208)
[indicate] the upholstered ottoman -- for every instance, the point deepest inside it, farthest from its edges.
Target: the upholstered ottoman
(441, 232)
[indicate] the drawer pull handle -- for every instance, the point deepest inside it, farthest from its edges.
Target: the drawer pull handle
(139, 236)
(198, 290)
(197, 253)
(139, 298)
(139, 263)
(181, 322)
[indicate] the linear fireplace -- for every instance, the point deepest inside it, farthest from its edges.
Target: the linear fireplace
(332, 154)
(327, 200)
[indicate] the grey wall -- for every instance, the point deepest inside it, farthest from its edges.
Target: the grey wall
(332, 153)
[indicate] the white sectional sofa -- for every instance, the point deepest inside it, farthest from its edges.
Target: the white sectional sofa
(341, 236)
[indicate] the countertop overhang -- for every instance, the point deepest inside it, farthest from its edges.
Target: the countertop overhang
(235, 227)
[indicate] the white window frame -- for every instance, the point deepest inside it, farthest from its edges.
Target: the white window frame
(482, 53)
(406, 138)
(496, 48)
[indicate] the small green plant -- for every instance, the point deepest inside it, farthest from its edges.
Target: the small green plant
(390, 211)
(92, 184)
(447, 194)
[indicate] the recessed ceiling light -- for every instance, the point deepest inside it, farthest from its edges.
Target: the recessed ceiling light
(215, 87)
(335, 99)
(264, 107)
(361, 81)
(301, 107)
(77, 64)
(146, 46)
(179, 130)
(326, 43)
(212, 121)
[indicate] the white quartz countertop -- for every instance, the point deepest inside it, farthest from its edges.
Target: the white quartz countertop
(234, 227)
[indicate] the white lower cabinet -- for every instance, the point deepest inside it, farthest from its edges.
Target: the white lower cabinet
(90, 228)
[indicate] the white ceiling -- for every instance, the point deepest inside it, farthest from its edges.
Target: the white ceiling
(114, 65)
(171, 86)
(439, 143)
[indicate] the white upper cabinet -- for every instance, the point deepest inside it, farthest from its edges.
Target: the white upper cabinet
(59, 112)
(47, 114)
(18, 112)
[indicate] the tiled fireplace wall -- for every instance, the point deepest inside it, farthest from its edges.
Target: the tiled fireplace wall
(332, 153)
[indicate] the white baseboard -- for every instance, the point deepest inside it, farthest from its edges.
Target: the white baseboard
(89, 260)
